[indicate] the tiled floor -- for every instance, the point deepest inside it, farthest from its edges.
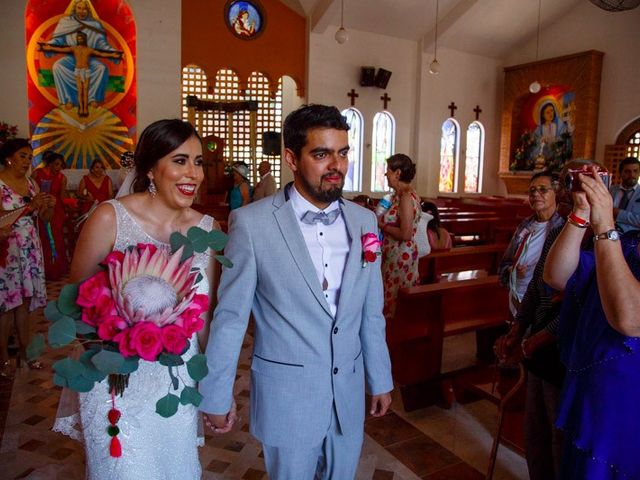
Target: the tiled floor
(432, 443)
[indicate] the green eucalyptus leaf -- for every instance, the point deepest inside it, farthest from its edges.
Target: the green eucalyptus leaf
(69, 368)
(191, 396)
(107, 361)
(199, 239)
(167, 406)
(187, 252)
(67, 300)
(224, 261)
(35, 347)
(169, 360)
(62, 332)
(199, 278)
(60, 381)
(91, 372)
(81, 384)
(174, 380)
(176, 240)
(217, 240)
(197, 367)
(84, 328)
(51, 311)
(129, 365)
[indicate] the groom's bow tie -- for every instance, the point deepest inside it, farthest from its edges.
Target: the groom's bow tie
(317, 217)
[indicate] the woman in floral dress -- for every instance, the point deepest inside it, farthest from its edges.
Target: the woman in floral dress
(399, 224)
(22, 283)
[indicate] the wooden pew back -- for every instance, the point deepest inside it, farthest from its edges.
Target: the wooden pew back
(482, 257)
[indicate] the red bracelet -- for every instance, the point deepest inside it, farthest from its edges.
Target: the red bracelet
(577, 221)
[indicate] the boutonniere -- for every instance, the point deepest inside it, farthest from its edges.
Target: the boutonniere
(370, 248)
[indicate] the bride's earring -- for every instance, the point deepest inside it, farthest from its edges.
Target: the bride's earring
(152, 188)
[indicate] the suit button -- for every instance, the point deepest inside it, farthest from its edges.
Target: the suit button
(335, 330)
(335, 370)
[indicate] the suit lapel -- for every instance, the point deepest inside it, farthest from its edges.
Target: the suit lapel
(353, 267)
(290, 230)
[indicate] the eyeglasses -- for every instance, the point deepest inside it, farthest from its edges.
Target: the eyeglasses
(541, 190)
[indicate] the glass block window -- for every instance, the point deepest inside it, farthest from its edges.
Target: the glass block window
(634, 145)
(474, 158)
(384, 134)
(227, 88)
(449, 147)
(353, 181)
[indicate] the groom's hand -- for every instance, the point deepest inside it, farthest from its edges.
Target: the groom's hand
(380, 404)
(222, 423)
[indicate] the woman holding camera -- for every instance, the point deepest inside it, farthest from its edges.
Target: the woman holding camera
(599, 337)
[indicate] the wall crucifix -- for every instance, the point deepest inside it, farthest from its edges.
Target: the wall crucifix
(453, 108)
(478, 111)
(386, 99)
(353, 95)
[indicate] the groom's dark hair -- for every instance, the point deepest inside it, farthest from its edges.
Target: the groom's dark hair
(307, 117)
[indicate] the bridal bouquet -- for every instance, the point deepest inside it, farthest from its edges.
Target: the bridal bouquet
(143, 304)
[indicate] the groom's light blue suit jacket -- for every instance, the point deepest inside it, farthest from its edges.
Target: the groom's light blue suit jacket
(304, 359)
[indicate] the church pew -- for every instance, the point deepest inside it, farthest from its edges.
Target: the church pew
(424, 316)
(481, 257)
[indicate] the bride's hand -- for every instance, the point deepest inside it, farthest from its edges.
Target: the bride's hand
(222, 423)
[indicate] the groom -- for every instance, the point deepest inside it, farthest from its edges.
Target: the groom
(319, 329)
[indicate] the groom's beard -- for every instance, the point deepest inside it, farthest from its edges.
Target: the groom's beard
(328, 194)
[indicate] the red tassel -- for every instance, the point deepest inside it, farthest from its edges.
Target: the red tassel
(115, 448)
(114, 416)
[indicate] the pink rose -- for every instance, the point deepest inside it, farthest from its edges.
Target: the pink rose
(124, 343)
(174, 339)
(113, 257)
(190, 323)
(370, 257)
(146, 338)
(92, 288)
(110, 326)
(370, 247)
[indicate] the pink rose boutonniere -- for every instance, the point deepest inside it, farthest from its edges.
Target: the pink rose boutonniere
(370, 248)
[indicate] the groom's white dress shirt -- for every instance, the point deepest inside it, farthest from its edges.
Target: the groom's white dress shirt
(328, 246)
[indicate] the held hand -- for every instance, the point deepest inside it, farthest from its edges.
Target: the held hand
(222, 423)
(581, 206)
(521, 270)
(600, 200)
(380, 404)
(381, 223)
(505, 345)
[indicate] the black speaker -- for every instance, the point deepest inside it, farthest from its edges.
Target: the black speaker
(367, 76)
(271, 143)
(382, 78)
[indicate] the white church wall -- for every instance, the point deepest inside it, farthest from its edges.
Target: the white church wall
(334, 70)
(467, 80)
(158, 61)
(618, 36)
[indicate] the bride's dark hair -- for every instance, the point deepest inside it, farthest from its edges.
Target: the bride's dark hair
(158, 140)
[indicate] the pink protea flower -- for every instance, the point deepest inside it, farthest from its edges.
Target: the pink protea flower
(151, 285)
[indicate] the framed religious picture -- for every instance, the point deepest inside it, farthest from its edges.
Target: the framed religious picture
(244, 18)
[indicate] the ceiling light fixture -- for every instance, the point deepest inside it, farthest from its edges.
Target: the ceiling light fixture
(341, 35)
(535, 86)
(434, 66)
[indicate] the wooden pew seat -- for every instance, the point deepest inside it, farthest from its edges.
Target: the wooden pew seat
(486, 258)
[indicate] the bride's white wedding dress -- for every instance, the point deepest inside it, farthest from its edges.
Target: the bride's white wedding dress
(153, 447)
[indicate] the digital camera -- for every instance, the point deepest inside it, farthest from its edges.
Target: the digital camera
(572, 178)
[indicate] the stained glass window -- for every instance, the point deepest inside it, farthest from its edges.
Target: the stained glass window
(474, 158)
(384, 133)
(227, 88)
(449, 156)
(353, 181)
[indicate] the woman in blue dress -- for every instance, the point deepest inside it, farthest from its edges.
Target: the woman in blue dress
(241, 192)
(599, 340)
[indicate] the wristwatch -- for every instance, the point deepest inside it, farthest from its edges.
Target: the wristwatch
(612, 234)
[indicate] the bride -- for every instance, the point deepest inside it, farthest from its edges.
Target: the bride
(168, 172)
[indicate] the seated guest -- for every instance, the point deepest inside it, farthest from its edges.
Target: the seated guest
(398, 225)
(240, 193)
(51, 180)
(532, 339)
(599, 338)
(523, 252)
(439, 238)
(267, 184)
(421, 238)
(95, 187)
(626, 197)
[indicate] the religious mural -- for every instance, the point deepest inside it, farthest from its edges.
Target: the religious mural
(244, 18)
(544, 125)
(81, 79)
